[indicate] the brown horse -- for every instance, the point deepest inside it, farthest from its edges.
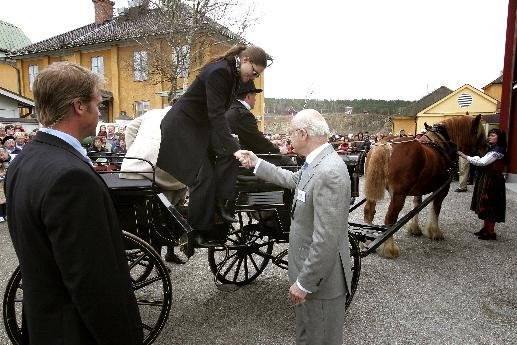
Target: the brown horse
(415, 168)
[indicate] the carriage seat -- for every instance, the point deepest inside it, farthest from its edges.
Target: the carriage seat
(115, 183)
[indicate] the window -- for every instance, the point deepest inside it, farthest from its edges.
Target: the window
(140, 65)
(181, 59)
(465, 100)
(140, 107)
(98, 65)
(33, 72)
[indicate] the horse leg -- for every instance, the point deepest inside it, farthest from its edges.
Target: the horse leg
(369, 211)
(432, 229)
(389, 248)
(413, 228)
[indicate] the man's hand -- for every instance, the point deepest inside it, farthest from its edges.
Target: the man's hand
(296, 294)
(283, 149)
(247, 158)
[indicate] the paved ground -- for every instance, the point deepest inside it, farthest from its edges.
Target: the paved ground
(456, 291)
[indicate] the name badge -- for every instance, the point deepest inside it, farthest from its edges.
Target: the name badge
(300, 195)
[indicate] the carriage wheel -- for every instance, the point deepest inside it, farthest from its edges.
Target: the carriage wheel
(151, 284)
(153, 293)
(249, 252)
(355, 262)
(12, 307)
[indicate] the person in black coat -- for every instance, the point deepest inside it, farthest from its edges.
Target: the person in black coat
(63, 225)
(244, 124)
(197, 147)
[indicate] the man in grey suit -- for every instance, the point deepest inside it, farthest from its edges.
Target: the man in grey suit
(319, 255)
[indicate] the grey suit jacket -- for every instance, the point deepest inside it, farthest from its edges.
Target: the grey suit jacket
(319, 254)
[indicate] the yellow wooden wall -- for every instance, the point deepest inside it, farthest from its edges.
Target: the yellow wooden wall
(449, 107)
(8, 78)
(407, 123)
(118, 73)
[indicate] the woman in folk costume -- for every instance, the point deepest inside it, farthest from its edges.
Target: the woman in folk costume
(489, 197)
(197, 147)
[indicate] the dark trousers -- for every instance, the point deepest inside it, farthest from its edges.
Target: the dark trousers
(215, 182)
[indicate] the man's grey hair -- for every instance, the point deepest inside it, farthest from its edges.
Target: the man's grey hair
(313, 122)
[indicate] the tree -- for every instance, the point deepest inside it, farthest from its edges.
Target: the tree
(179, 35)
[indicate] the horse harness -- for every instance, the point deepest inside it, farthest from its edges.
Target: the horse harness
(448, 150)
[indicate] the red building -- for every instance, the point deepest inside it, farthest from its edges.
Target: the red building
(508, 119)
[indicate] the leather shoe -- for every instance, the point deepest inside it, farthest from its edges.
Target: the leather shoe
(459, 190)
(487, 237)
(174, 258)
(223, 211)
(478, 233)
(203, 240)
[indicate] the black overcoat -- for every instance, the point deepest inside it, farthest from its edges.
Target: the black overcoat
(195, 117)
(244, 124)
(64, 228)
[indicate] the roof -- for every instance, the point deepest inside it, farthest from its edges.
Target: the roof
(491, 118)
(417, 106)
(496, 81)
(457, 91)
(123, 27)
(23, 101)
(11, 37)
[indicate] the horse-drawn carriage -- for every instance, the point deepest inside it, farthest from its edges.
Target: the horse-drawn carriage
(149, 221)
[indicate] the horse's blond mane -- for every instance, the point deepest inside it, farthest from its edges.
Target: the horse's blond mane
(458, 128)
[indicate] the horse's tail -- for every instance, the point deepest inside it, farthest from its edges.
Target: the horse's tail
(376, 171)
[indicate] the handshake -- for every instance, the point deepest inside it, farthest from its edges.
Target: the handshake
(247, 158)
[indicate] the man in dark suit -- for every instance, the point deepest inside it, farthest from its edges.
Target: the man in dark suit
(319, 254)
(63, 225)
(244, 124)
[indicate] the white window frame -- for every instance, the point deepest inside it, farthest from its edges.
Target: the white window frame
(98, 65)
(33, 72)
(141, 107)
(181, 60)
(140, 68)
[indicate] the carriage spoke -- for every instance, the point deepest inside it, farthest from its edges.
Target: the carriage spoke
(246, 273)
(138, 259)
(254, 262)
(158, 303)
(147, 282)
(146, 327)
(237, 270)
(230, 266)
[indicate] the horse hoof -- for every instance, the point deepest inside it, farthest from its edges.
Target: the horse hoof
(389, 253)
(414, 231)
(437, 237)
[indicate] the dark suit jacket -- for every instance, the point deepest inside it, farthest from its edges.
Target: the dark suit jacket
(243, 123)
(64, 228)
(196, 117)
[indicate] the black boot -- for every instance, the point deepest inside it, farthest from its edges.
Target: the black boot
(224, 211)
(480, 232)
(170, 256)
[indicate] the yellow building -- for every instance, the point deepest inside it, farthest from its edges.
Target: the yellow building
(113, 47)
(407, 120)
(466, 99)
(495, 89)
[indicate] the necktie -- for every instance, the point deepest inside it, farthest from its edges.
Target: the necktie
(304, 167)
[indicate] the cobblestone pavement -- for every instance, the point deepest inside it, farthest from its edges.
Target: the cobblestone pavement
(457, 291)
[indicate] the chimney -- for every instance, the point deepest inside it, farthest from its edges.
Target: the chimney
(103, 10)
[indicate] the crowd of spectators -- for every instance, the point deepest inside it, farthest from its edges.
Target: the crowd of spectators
(108, 140)
(13, 138)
